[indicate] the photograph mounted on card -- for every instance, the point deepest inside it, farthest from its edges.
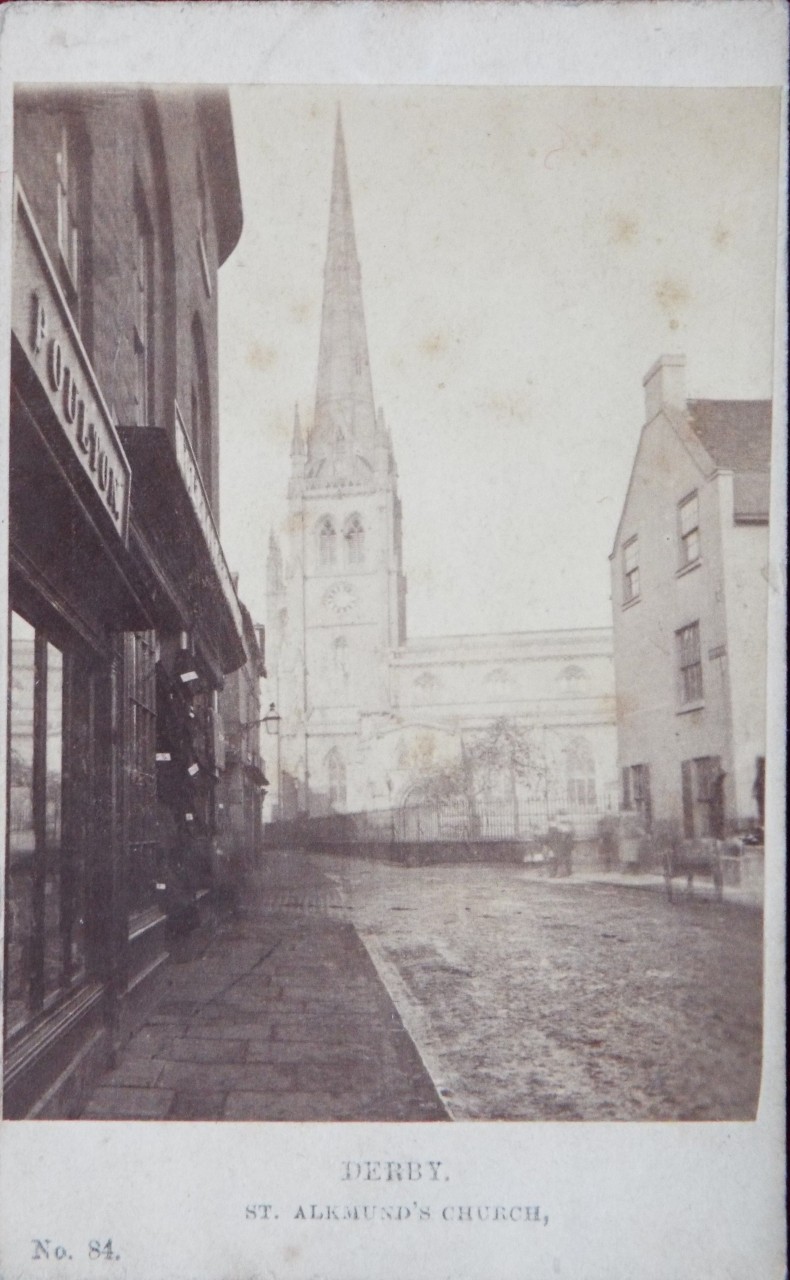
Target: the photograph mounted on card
(393, 817)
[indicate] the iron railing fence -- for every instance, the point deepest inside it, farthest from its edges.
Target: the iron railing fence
(459, 820)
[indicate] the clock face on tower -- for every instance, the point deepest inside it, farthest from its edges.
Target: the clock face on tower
(341, 598)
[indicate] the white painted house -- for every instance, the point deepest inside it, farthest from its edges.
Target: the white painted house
(690, 599)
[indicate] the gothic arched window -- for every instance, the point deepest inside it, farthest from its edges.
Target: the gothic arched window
(573, 679)
(354, 535)
(336, 777)
(326, 541)
(499, 676)
(340, 656)
(581, 775)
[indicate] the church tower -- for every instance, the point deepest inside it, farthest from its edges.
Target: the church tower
(339, 595)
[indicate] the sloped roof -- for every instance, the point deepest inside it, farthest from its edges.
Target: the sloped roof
(736, 433)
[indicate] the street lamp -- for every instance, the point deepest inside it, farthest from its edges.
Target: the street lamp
(271, 720)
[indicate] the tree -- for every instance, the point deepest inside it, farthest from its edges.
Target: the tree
(494, 763)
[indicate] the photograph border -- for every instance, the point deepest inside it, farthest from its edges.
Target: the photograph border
(655, 1200)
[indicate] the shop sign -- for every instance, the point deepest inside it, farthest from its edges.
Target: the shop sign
(44, 326)
(200, 505)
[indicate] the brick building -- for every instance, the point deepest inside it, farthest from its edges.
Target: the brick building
(690, 602)
(124, 619)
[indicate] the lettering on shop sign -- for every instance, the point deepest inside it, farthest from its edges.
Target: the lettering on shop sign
(63, 382)
(44, 326)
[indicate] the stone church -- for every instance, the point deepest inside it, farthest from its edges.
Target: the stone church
(370, 717)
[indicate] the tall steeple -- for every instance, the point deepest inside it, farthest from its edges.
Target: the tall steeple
(343, 437)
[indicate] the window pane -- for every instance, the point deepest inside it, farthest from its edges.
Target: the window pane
(691, 547)
(21, 835)
(53, 947)
(694, 641)
(78, 833)
(689, 518)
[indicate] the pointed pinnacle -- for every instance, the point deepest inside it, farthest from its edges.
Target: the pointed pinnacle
(297, 445)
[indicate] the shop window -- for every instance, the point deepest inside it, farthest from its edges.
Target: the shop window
(689, 664)
(702, 784)
(141, 756)
(354, 535)
(688, 515)
(143, 314)
(581, 775)
(631, 571)
(49, 710)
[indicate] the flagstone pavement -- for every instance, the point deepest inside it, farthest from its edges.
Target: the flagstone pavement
(275, 1013)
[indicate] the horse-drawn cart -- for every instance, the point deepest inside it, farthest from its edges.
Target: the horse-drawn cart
(690, 858)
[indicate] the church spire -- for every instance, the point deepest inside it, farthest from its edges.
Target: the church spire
(344, 426)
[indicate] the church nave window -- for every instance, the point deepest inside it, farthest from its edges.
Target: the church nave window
(326, 542)
(336, 776)
(354, 535)
(581, 775)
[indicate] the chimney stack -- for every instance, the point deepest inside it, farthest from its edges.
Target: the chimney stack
(665, 385)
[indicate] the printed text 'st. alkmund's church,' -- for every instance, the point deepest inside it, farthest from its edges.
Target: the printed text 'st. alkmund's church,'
(371, 719)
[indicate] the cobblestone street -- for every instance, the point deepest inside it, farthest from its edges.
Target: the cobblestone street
(526, 998)
(543, 999)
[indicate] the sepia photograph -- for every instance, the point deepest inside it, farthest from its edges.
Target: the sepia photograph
(389, 501)
(393, 763)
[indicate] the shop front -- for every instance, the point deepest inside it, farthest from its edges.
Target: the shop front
(73, 590)
(122, 624)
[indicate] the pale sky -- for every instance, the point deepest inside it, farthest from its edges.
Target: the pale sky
(526, 255)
